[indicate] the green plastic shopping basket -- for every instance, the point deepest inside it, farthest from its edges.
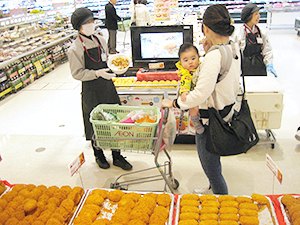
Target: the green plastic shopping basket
(126, 133)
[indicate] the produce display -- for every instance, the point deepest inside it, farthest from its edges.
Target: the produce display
(224, 209)
(290, 207)
(102, 206)
(31, 204)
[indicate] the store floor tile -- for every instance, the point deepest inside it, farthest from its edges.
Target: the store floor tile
(41, 133)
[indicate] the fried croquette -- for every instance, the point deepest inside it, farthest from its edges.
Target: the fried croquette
(79, 190)
(19, 199)
(249, 220)
(189, 203)
(93, 207)
(103, 193)
(147, 202)
(248, 206)
(139, 215)
(226, 198)
(210, 204)
(54, 200)
(75, 197)
(228, 210)
(115, 195)
(190, 197)
(260, 199)
(188, 216)
(44, 216)
(101, 222)
(9, 196)
(24, 192)
(82, 220)
(136, 222)
(24, 222)
(134, 196)
(293, 208)
(3, 217)
(209, 216)
(30, 205)
(18, 187)
(88, 213)
(209, 222)
(53, 221)
(248, 212)
(42, 188)
(208, 210)
(161, 211)
(288, 200)
(208, 198)
(233, 217)
(30, 218)
(163, 199)
(30, 187)
(67, 204)
(60, 195)
(228, 222)
(51, 207)
(295, 216)
(120, 217)
(243, 199)
(296, 221)
(94, 199)
(189, 209)
(3, 203)
(63, 212)
(234, 204)
(188, 222)
(58, 216)
(38, 222)
(151, 195)
(126, 203)
(43, 198)
(12, 221)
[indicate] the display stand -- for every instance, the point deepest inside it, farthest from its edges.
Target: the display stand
(282, 17)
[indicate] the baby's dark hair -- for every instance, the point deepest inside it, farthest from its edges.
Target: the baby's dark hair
(186, 46)
(217, 18)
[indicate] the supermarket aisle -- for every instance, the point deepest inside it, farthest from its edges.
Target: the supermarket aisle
(41, 132)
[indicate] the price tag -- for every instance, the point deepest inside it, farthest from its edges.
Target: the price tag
(274, 168)
(76, 164)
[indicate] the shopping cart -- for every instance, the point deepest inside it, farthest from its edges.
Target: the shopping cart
(140, 137)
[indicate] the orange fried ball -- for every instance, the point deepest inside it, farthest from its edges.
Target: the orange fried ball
(94, 199)
(115, 195)
(30, 205)
(163, 199)
(18, 187)
(103, 193)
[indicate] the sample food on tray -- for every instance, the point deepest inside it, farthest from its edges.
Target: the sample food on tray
(156, 84)
(291, 209)
(224, 209)
(123, 81)
(120, 62)
(31, 204)
(117, 207)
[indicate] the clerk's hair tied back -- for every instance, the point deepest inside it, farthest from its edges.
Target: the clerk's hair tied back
(217, 18)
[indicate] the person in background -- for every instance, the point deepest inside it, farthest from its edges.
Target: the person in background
(187, 65)
(217, 28)
(140, 14)
(111, 23)
(87, 58)
(257, 54)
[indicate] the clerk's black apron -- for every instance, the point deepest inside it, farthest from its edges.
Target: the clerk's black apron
(95, 92)
(252, 61)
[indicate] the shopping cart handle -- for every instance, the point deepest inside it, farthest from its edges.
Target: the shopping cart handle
(165, 115)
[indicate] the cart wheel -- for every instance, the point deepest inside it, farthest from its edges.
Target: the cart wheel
(175, 185)
(272, 145)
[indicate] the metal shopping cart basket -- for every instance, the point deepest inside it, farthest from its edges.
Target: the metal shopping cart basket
(135, 136)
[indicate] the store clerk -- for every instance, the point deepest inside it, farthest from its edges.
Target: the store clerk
(87, 58)
(254, 44)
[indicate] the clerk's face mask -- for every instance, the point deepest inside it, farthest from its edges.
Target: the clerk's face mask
(88, 29)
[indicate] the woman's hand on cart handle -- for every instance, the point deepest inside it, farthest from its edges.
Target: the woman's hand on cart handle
(166, 103)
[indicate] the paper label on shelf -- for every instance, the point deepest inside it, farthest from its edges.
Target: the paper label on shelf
(76, 164)
(274, 168)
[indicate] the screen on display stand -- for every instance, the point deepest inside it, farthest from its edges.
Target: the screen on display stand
(158, 45)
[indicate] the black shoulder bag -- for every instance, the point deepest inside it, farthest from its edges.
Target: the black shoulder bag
(234, 137)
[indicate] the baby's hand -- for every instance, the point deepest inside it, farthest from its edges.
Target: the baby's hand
(183, 96)
(194, 111)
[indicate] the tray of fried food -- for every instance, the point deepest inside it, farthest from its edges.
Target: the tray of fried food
(109, 206)
(193, 209)
(290, 208)
(31, 204)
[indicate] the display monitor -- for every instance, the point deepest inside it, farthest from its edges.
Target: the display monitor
(158, 44)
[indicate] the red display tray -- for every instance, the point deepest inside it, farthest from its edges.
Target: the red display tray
(156, 75)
